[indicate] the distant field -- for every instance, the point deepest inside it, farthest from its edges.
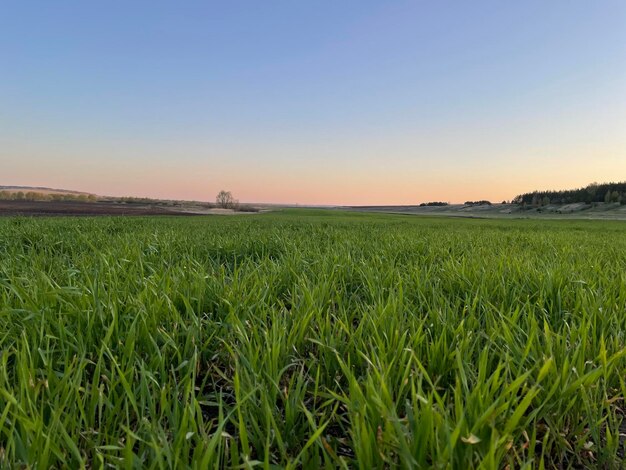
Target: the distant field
(113, 208)
(312, 339)
(12, 208)
(600, 211)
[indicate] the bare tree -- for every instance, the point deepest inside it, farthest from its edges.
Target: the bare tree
(225, 200)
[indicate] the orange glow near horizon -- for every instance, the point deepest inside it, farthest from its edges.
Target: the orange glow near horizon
(401, 168)
(322, 186)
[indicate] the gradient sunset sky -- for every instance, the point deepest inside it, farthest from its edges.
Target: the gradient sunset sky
(313, 102)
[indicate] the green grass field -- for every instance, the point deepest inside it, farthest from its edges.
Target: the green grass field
(311, 339)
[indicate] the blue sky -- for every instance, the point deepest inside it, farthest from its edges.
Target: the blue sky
(313, 102)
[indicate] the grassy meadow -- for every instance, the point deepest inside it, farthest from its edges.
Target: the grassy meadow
(312, 339)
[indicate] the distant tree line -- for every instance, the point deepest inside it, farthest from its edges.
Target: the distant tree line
(593, 193)
(37, 196)
(434, 203)
(478, 203)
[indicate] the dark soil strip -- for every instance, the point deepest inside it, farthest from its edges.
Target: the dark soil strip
(60, 208)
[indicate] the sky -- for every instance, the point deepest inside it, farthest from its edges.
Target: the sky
(313, 102)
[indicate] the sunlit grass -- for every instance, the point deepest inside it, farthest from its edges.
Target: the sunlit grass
(311, 339)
